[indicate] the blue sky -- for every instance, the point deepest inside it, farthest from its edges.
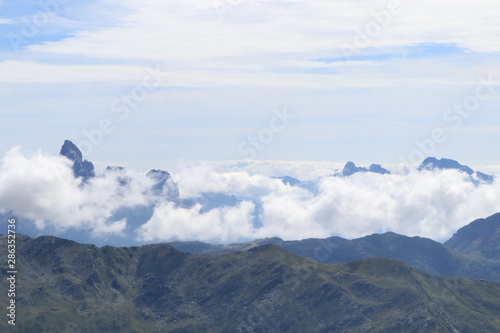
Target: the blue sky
(365, 80)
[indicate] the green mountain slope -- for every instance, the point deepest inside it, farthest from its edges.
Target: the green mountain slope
(423, 254)
(64, 286)
(480, 239)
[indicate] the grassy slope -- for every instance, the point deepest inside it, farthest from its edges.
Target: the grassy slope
(69, 287)
(423, 254)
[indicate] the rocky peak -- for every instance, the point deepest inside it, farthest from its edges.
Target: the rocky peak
(81, 168)
(164, 184)
(350, 168)
(432, 163)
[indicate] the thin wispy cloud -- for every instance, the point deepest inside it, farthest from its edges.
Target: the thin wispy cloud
(252, 41)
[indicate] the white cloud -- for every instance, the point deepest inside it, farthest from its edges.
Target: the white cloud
(268, 44)
(225, 224)
(25, 72)
(428, 204)
(6, 21)
(349, 75)
(191, 30)
(431, 204)
(242, 181)
(42, 188)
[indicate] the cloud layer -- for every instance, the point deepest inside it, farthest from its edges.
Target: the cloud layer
(42, 188)
(265, 43)
(432, 204)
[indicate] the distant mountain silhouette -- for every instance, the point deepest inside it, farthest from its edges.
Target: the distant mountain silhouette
(81, 168)
(350, 168)
(421, 253)
(432, 163)
(287, 180)
(164, 184)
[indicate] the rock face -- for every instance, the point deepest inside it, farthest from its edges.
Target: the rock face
(350, 168)
(377, 168)
(480, 239)
(81, 168)
(217, 200)
(484, 177)
(164, 184)
(64, 286)
(432, 163)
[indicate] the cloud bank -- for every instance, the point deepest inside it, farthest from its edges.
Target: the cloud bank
(433, 204)
(43, 188)
(214, 43)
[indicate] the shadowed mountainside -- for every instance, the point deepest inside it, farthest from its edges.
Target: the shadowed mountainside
(423, 254)
(480, 239)
(63, 285)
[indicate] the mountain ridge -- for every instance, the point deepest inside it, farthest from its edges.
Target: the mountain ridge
(480, 238)
(432, 163)
(421, 253)
(155, 288)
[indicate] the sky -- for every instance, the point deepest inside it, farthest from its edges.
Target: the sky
(151, 83)
(286, 87)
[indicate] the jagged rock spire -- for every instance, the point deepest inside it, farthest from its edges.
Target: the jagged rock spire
(81, 168)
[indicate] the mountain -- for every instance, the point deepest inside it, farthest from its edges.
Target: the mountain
(350, 168)
(480, 239)
(311, 186)
(164, 184)
(119, 172)
(287, 180)
(432, 163)
(421, 253)
(81, 168)
(197, 247)
(163, 187)
(64, 286)
(212, 200)
(377, 168)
